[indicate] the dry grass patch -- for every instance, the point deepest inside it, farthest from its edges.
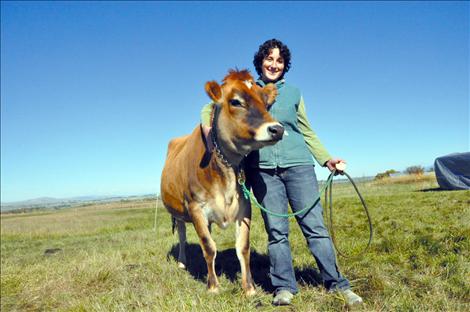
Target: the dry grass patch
(89, 219)
(407, 179)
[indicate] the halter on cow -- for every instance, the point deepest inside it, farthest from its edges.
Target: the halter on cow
(200, 186)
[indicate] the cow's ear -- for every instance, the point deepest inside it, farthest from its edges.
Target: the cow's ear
(269, 93)
(214, 91)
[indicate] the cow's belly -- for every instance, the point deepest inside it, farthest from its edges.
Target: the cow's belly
(223, 209)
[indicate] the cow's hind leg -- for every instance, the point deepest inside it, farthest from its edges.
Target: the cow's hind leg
(181, 226)
(207, 244)
(243, 252)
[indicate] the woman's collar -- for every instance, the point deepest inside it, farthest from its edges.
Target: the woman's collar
(278, 83)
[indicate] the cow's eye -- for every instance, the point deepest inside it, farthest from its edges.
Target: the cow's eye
(235, 102)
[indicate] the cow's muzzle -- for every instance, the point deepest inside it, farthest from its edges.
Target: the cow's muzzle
(269, 132)
(276, 132)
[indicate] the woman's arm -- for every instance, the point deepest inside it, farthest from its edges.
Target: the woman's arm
(313, 142)
(206, 113)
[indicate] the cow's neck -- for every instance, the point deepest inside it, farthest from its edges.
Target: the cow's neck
(224, 148)
(224, 151)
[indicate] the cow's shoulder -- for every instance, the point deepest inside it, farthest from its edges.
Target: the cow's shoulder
(177, 144)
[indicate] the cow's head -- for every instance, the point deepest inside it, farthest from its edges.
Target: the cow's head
(244, 122)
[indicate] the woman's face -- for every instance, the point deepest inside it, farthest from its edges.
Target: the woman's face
(273, 66)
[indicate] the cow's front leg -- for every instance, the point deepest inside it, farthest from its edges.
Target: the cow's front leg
(207, 244)
(243, 249)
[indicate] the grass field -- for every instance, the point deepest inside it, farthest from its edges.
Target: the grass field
(107, 257)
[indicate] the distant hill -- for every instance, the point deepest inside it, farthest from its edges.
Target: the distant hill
(50, 202)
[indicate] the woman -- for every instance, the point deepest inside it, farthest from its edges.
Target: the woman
(284, 173)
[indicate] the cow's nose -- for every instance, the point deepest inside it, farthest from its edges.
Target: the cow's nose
(276, 131)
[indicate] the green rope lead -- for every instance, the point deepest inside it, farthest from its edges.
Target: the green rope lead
(248, 194)
(328, 186)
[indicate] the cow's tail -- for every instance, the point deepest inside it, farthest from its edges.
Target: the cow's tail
(173, 224)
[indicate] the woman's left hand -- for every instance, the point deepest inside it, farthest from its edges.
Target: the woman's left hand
(331, 164)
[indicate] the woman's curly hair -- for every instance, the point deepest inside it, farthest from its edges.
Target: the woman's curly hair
(264, 50)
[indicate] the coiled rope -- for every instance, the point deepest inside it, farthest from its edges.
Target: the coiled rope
(328, 189)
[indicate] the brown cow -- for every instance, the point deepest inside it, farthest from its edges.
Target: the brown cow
(201, 186)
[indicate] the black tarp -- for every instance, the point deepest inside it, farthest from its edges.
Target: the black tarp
(453, 171)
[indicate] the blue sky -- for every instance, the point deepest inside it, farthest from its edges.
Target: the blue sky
(91, 92)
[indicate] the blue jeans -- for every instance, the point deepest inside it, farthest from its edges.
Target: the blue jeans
(274, 188)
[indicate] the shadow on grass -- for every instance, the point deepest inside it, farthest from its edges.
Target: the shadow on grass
(226, 263)
(435, 189)
(438, 189)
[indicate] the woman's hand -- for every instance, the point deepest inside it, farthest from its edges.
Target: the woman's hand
(331, 164)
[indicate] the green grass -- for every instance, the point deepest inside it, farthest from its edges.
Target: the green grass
(108, 258)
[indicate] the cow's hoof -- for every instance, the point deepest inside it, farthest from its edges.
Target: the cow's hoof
(213, 290)
(250, 292)
(181, 265)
